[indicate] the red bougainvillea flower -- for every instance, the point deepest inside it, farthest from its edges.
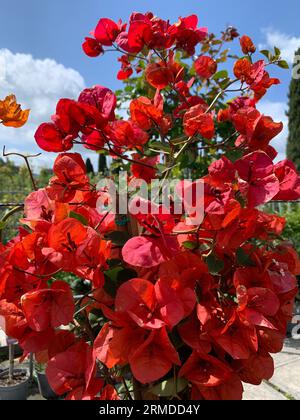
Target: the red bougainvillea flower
(242, 69)
(142, 251)
(247, 45)
(254, 75)
(38, 206)
(102, 98)
(248, 72)
(289, 181)
(205, 67)
(256, 130)
(46, 308)
(187, 34)
(150, 306)
(127, 134)
(230, 390)
(107, 31)
(92, 47)
(197, 121)
(153, 217)
(138, 349)
(205, 370)
(70, 176)
(255, 369)
(146, 113)
(126, 69)
(161, 74)
(73, 372)
(158, 75)
(51, 139)
(258, 182)
(91, 256)
(64, 239)
(70, 118)
(140, 171)
(139, 33)
(158, 352)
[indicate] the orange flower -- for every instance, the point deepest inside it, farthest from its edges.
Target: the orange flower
(11, 114)
(247, 45)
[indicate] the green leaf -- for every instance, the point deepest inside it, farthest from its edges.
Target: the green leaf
(169, 387)
(2, 224)
(179, 140)
(242, 258)
(222, 74)
(160, 168)
(215, 265)
(115, 277)
(277, 51)
(158, 145)
(118, 238)
(267, 54)
(283, 64)
(190, 245)
(223, 84)
(78, 217)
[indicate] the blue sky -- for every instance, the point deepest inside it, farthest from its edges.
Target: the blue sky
(40, 47)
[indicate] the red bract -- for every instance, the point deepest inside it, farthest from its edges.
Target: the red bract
(127, 134)
(46, 308)
(158, 352)
(51, 139)
(187, 34)
(256, 130)
(107, 31)
(126, 69)
(70, 176)
(146, 113)
(73, 372)
(255, 76)
(258, 182)
(247, 45)
(204, 370)
(144, 168)
(205, 67)
(148, 252)
(198, 288)
(92, 47)
(163, 73)
(289, 181)
(198, 121)
(150, 306)
(102, 98)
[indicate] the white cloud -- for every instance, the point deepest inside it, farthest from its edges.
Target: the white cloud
(288, 44)
(277, 110)
(38, 84)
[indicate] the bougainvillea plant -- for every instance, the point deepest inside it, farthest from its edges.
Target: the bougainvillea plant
(173, 310)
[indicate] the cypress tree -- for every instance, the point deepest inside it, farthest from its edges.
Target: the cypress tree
(89, 166)
(102, 164)
(293, 146)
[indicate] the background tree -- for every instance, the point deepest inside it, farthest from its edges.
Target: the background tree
(102, 164)
(293, 147)
(89, 166)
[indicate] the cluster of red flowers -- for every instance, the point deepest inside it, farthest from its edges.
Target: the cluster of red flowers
(207, 304)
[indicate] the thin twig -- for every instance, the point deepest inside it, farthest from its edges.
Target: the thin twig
(26, 159)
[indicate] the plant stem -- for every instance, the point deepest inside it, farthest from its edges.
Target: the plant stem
(7, 216)
(11, 349)
(137, 390)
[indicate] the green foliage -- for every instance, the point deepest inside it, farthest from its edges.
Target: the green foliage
(293, 147)
(15, 185)
(89, 166)
(292, 229)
